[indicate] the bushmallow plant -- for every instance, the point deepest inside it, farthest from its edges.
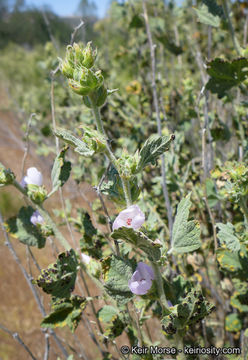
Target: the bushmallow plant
(33, 177)
(118, 278)
(132, 217)
(141, 280)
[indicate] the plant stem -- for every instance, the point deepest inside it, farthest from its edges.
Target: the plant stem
(160, 286)
(46, 217)
(109, 153)
(231, 29)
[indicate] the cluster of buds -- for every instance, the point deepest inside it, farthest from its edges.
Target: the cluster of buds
(77, 67)
(6, 176)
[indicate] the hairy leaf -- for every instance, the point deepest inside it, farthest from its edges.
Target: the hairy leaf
(233, 323)
(185, 234)
(21, 228)
(154, 146)
(60, 171)
(139, 240)
(78, 145)
(226, 74)
(227, 236)
(107, 313)
(116, 273)
(65, 312)
(59, 278)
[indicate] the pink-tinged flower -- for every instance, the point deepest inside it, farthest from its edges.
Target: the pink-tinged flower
(141, 280)
(36, 218)
(33, 177)
(132, 217)
(86, 258)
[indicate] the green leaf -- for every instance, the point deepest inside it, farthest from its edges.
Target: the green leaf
(113, 188)
(185, 234)
(233, 323)
(65, 312)
(214, 8)
(78, 145)
(226, 74)
(189, 311)
(107, 313)
(233, 261)
(206, 17)
(226, 235)
(239, 297)
(60, 171)
(116, 273)
(138, 240)
(21, 228)
(59, 278)
(154, 146)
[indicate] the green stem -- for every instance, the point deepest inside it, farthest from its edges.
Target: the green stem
(109, 153)
(160, 286)
(231, 29)
(46, 217)
(245, 211)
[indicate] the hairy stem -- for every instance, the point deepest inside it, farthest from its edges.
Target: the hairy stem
(160, 285)
(230, 26)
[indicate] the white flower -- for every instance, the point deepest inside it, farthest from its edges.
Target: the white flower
(33, 177)
(86, 258)
(36, 218)
(132, 217)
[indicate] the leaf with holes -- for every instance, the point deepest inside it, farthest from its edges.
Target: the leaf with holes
(65, 312)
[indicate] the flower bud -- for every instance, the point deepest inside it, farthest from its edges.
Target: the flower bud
(6, 176)
(66, 69)
(36, 218)
(89, 56)
(85, 81)
(36, 193)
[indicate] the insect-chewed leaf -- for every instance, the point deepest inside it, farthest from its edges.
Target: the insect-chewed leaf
(227, 236)
(59, 278)
(139, 240)
(191, 309)
(226, 74)
(185, 234)
(60, 171)
(154, 146)
(78, 145)
(65, 312)
(240, 296)
(111, 316)
(21, 228)
(116, 273)
(107, 313)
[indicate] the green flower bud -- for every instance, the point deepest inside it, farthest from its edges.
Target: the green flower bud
(6, 176)
(66, 69)
(36, 193)
(85, 81)
(89, 56)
